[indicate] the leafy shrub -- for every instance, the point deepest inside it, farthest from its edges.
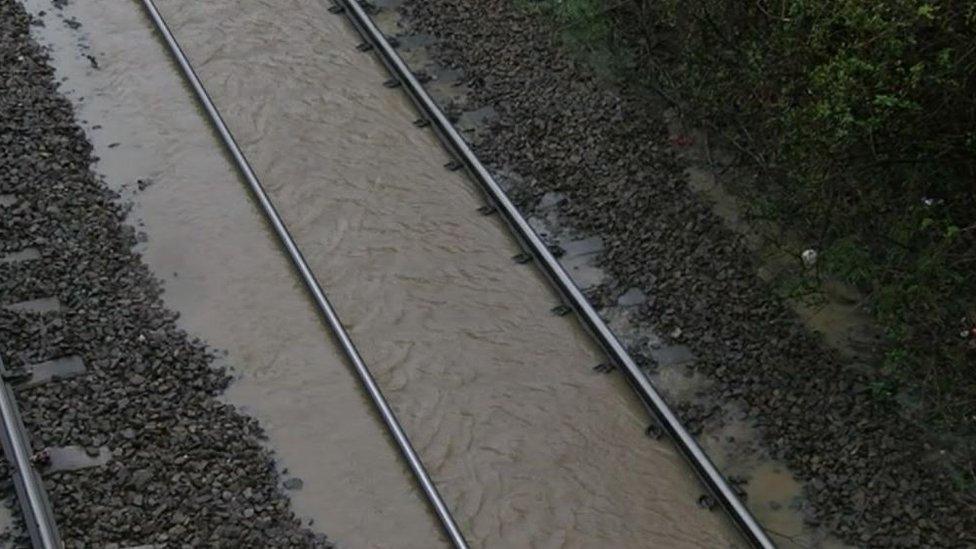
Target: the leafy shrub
(861, 116)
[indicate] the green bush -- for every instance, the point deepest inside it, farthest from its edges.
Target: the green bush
(861, 117)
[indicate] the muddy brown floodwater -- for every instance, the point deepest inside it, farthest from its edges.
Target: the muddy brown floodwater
(529, 446)
(224, 273)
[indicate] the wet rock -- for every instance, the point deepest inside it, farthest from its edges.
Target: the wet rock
(148, 392)
(141, 477)
(563, 140)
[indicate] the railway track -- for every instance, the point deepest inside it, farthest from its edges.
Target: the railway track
(34, 505)
(33, 501)
(549, 265)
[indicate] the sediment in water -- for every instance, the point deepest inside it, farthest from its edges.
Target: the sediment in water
(870, 475)
(185, 468)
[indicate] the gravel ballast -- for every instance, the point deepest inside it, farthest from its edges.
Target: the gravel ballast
(186, 470)
(873, 477)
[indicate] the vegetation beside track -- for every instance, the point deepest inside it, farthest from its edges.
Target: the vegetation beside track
(860, 119)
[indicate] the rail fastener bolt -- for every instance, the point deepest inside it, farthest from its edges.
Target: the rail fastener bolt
(562, 310)
(41, 458)
(706, 501)
(556, 250)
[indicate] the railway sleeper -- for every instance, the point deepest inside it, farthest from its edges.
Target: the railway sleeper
(39, 305)
(26, 254)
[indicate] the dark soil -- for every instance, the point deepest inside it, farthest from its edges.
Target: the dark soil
(872, 476)
(186, 469)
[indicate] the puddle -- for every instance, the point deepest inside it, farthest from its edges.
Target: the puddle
(578, 254)
(671, 355)
(773, 494)
(414, 41)
(632, 297)
(677, 380)
(837, 314)
(774, 498)
(472, 123)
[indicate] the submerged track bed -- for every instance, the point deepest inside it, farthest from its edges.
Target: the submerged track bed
(497, 199)
(533, 248)
(312, 285)
(431, 114)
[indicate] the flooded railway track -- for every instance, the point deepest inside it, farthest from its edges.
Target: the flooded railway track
(574, 298)
(534, 249)
(312, 285)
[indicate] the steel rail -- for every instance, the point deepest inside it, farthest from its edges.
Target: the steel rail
(34, 504)
(311, 283)
(698, 459)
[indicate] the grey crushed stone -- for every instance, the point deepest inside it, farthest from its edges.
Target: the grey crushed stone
(186, 469)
